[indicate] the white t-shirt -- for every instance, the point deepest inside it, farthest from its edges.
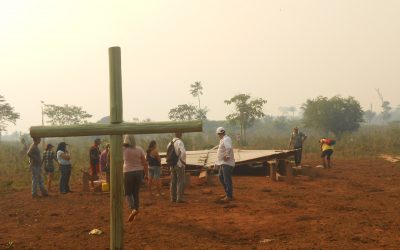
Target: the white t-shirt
(225, 149)
(179, 150)
(61, 160)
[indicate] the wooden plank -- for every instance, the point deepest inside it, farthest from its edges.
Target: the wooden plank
(116, 161)
(116, 129)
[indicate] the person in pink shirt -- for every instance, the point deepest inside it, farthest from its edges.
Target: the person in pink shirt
(135, 168)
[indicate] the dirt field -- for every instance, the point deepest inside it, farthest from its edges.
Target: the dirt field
(355, 205)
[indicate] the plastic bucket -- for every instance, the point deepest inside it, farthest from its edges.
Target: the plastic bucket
(105, 187)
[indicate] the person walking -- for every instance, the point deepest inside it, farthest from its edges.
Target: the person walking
(94, 155)
(105, 162)
(154, 162)
(48, 161)
(64, 159)
(135, 168)
(176, 160)
(226, 163)
(296, 142)
(35, 165)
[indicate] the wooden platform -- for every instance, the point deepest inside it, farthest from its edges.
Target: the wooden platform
(207, 158)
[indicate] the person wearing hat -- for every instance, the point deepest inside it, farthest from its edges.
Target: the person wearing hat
(94, 154)
(64, 159)
(296, 141)
(226, 163)
(48, 161)
(35, 164)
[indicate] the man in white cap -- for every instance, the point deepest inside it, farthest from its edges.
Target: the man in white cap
(226, 163)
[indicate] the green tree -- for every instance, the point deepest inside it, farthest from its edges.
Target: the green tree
(196, 90)
(246, 112)
(183, 112)
(336, 115)
(65, 115)
(201, 114)
(7, 115)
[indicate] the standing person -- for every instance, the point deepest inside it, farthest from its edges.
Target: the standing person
(35, 164)
(135, 166)
(48, 161)
(105, 162)
(296, 140)
(176, 160)
(226, 163)
(94, 155)
(64, 159)
(327, 151)
(154, 161)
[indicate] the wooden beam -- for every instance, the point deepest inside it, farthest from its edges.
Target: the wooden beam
(116, 161)
(116, 129)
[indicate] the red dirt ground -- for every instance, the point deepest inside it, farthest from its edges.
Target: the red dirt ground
(355, 205)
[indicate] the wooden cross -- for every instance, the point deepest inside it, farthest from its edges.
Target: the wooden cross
(116, 129)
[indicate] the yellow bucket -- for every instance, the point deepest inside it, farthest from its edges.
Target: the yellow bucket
(105, 187)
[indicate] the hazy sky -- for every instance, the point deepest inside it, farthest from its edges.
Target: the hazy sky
(283, 50)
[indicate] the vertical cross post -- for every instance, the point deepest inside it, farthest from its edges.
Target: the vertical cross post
(116, 200)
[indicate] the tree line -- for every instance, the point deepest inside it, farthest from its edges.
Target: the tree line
(335, 115)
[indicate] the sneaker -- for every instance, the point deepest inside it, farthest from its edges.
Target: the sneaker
(180, 201)
(226, 199)
(222, 196)
(35, 196)
(45, 194)
(133, 215)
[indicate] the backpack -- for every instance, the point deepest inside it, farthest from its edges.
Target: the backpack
(172, 157)
(330, 142)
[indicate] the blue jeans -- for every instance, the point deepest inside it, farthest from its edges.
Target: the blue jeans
(154, 172)
(297, 156)
(37, 180)
(64, 178)
(177, 185)
(225, 177)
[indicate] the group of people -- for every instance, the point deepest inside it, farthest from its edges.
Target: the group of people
(296, 142)
(48, 159)
(139, 165)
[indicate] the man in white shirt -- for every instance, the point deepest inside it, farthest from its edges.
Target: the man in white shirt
(178, 169)
(226, 163)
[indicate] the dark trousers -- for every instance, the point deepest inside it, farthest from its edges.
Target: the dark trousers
(132, 181)
(225, 177)
(297, 156)
(64, 178)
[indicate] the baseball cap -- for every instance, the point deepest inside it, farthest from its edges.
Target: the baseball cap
(220, 130)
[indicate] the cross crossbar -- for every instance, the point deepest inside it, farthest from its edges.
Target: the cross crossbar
(115, 129)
